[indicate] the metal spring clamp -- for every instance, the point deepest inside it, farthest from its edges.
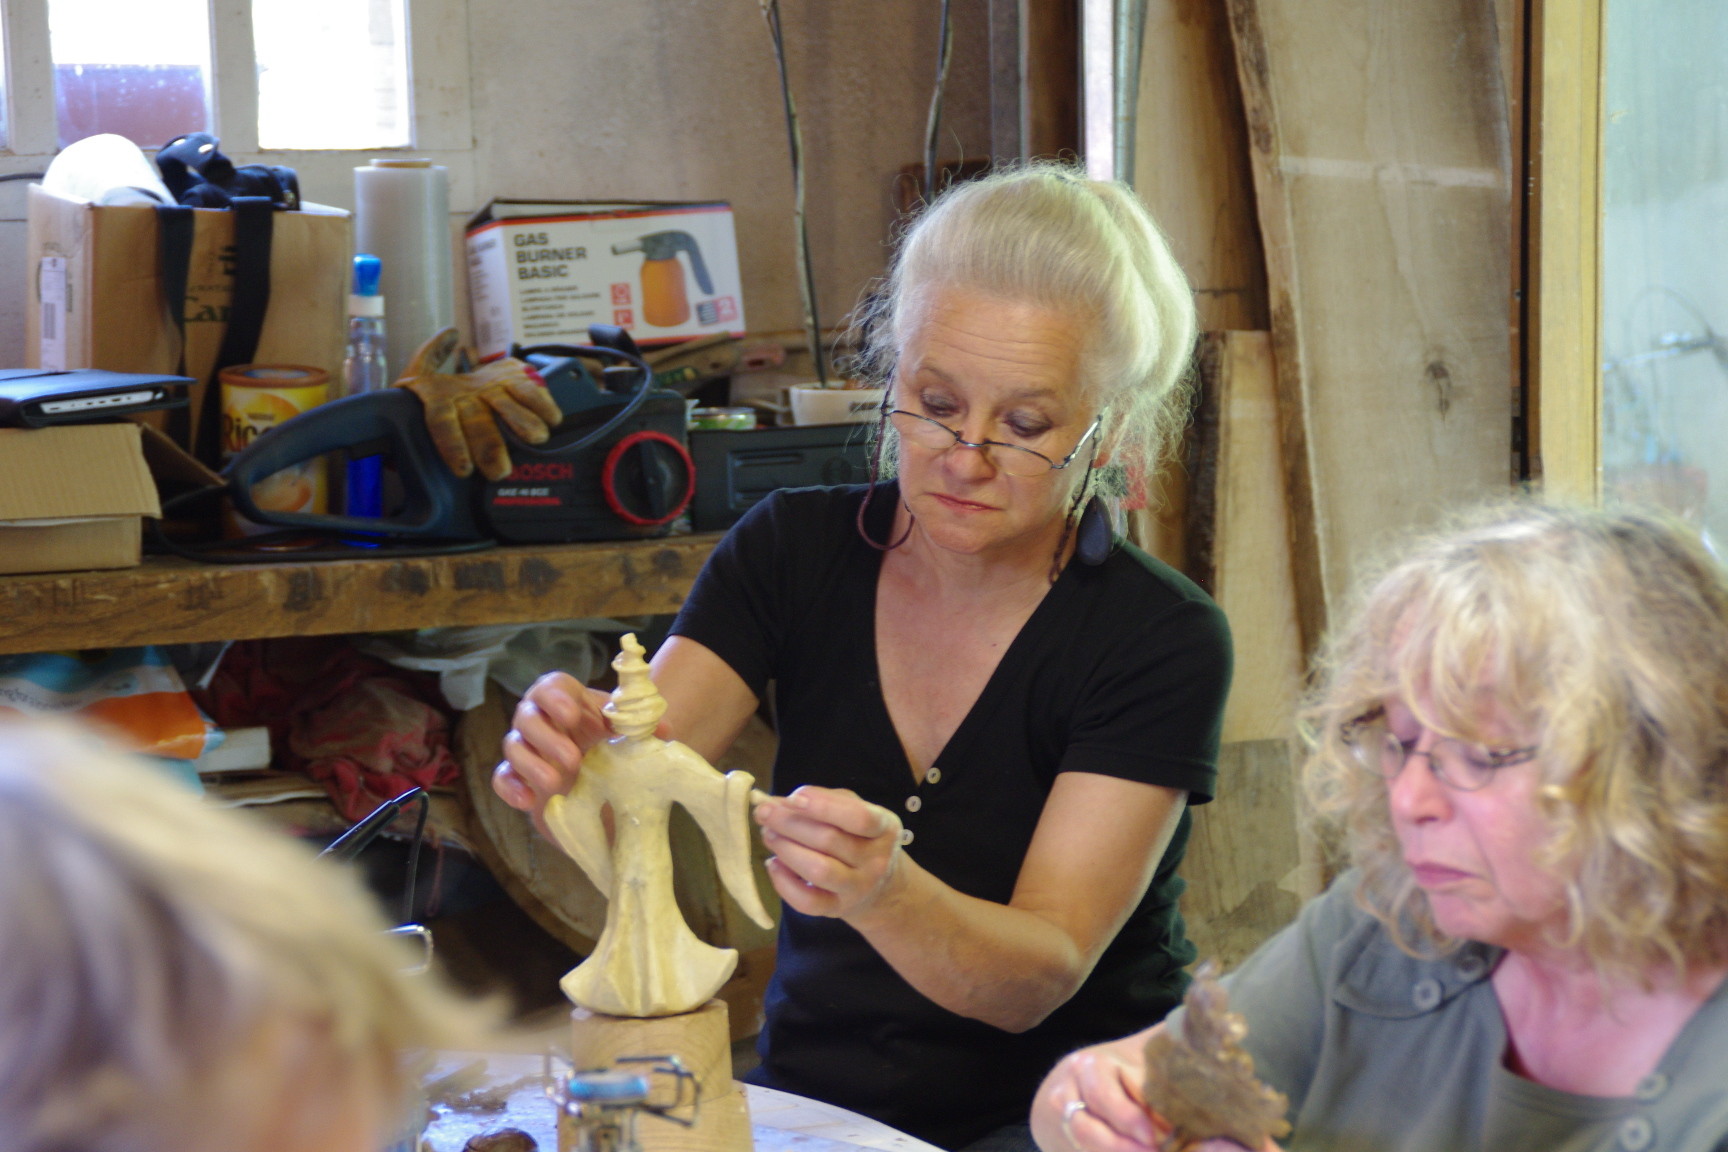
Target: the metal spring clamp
(598, 1107)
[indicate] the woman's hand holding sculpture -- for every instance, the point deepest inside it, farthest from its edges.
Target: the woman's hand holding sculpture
(557, 720)
(834, 853)
(1092, 1102)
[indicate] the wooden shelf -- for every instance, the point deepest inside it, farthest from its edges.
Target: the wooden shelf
(168, 600)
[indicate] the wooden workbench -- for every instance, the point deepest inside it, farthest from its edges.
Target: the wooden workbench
(167, 600)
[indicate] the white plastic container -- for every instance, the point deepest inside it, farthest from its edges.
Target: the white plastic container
(813, 404)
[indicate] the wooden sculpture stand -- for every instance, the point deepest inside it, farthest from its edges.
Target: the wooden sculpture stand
(703, 1041)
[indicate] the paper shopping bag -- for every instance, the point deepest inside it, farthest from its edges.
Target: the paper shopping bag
(98, 297)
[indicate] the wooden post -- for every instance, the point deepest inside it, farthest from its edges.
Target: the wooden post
(1565, 267)
(702, 1042)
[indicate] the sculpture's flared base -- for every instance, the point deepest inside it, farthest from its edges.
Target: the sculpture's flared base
(702, 1040)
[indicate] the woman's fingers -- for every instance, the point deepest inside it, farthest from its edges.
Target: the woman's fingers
(555, 721)
(511, 788)
(549, 739)
(545, 772)
(814, 867)
(835, 822)
(569, 703)
(1087, 1131)
(1090, 1102)
(834, 852)
(843, 809)
(798, 893)
(1108, 1079)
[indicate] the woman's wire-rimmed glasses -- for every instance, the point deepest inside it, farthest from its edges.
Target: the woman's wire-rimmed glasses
(1458, 764)
(936, 436)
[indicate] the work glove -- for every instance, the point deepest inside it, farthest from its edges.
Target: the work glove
(461, 405)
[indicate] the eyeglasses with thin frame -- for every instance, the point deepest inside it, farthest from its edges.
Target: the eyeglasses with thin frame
(1458, 764)
(935, 436)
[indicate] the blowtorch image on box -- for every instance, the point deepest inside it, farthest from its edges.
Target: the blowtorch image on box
(664, 301)
(542, 272)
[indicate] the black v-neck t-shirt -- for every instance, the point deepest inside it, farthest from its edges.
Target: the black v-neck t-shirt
(1121, 670)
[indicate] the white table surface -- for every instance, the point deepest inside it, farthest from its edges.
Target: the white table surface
(780, 1121)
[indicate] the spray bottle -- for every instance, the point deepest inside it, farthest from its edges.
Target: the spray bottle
(364, 370)
(664, 303)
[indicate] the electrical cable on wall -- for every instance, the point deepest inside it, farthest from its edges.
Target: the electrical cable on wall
(795, 141)
(944, 49)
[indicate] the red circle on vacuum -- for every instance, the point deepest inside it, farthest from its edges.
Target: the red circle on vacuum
(609, 472)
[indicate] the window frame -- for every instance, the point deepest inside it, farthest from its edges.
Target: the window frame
(1564, 279)
(441, 119)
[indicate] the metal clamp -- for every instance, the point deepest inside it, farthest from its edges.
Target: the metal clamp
(601, 1104)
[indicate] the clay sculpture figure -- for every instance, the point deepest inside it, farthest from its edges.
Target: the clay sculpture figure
(1200, 1079)
(648, 962)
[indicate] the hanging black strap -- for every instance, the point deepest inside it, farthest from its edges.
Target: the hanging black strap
(254, 224)
(174, 258)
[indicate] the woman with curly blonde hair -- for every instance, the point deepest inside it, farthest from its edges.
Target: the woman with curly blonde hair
(1521, 741)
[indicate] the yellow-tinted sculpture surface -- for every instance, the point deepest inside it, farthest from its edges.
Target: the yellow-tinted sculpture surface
(647, 961)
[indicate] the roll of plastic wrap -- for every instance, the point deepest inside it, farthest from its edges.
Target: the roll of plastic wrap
(402, 216)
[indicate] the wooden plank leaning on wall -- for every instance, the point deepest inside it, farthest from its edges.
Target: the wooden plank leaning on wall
(1191, 170)
(1382, 169)
(1223, 518)
(1249, 864)
(1381, 184)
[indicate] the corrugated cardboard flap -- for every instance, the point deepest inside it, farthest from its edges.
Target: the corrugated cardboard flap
(74, 470)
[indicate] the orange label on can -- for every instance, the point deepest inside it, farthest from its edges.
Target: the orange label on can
(256, 399)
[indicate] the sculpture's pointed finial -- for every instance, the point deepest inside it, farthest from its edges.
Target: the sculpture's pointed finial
(636, 705)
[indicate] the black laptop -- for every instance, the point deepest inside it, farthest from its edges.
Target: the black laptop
(35, 397)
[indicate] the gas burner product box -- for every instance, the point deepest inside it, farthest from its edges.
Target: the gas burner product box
(541, 272)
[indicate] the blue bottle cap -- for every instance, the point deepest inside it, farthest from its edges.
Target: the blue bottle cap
(367, 269)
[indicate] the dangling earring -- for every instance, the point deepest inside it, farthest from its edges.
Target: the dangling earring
(1095, 538)
(875, 473)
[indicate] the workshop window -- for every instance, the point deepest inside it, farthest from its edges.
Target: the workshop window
(279, 75)
(138, 70)
(331, 73)
(1664, 221)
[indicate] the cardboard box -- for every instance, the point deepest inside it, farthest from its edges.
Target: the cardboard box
(73, 497)
(541, 272)
(95, 297)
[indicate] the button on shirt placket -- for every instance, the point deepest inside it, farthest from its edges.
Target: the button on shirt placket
(1636, 1133)
(914, 802)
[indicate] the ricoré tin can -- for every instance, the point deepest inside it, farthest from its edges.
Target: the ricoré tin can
(257, 398)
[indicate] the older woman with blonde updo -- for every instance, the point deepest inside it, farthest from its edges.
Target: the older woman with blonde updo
(993, 714)
(1523, 744)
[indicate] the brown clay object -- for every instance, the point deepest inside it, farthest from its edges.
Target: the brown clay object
(503, 1140)
(1203, 1083)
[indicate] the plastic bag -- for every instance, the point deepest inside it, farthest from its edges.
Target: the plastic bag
(514, 655)
(134, 693)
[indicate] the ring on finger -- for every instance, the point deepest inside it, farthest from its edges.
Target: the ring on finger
(1068, 1111)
